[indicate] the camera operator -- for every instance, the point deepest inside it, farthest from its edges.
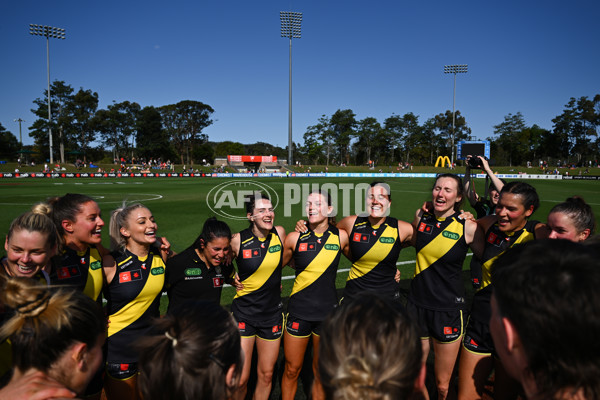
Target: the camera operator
(482, 205)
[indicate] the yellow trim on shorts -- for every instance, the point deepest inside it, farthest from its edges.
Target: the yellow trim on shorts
(471, 351)
(476, 353)
(298, 337)
(462, 331)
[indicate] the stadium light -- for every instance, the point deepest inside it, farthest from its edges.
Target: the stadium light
(454, 69)
(19, 120)
(290, 28)
(48, 32)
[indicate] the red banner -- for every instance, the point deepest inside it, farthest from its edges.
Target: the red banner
(252, 158)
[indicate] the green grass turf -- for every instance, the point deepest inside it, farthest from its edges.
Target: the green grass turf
(180, 208)
(180, 205)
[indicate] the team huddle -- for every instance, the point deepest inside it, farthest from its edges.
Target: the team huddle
(57, 341)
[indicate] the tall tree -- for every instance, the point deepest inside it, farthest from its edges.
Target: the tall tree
(443, 123)
(117, 125)
(412, 130)
(9, 145)
(394, 126)
(83, 108)
(577, 127)
(151, 139)
(184, 122)
(317, 141)
(343, 125)
(61, 95)
(511, 138)
(369, 135)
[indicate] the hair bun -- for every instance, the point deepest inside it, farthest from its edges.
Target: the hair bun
(26, 298)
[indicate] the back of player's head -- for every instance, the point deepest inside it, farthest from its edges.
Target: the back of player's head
(212, 229)
(548, 289)
(369, 349)
(579, 212)
(46, 322)
(527, 192)
(195, 354)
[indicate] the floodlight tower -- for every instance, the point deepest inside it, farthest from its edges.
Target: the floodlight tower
(291, 23)
(48, 32)
(454, 69)
(19, 120)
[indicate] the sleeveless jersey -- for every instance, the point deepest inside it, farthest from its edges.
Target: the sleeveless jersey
(316, 259)
(375, 250)
(80, 269)
(259, 269)
(496, 243)
(133, 300)
(441, 251)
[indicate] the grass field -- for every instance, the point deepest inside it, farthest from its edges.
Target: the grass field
(180, 207)
(180, 204)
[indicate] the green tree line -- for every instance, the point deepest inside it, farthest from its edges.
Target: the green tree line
(341, 138)
(175, 132)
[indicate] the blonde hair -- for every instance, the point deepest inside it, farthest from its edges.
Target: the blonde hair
(47, 321)
(369, 349)
(36, 220)
(118, 220)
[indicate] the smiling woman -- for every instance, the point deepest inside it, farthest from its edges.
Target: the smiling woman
(30, 244)
(200, 271)
(133, 287)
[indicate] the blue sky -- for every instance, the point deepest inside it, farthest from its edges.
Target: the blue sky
(377, 58)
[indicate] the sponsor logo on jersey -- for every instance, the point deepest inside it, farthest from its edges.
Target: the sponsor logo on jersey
(157, 271)
(217, 282)
(494, 239)
(387, 239)
(82, 260)
(359, 237)
(95, 265)
(423, 227)
(451, 235)
(307, 246)
(251, 253)
(275, 249)
(126, 264)
(333, 247)
(130, 276)
(192, 272)
(68, 272)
